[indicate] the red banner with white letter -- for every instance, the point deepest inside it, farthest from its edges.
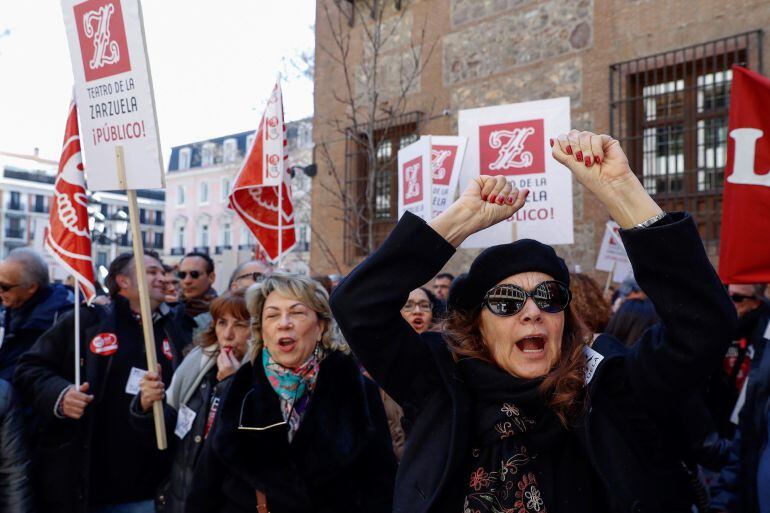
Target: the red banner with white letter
(68, 239)
(256, 197)
(744, 255)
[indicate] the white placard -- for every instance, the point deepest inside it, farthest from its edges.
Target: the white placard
(415, 179)
(113, 92)
(612, 254)
(446, 160)
(512, 140)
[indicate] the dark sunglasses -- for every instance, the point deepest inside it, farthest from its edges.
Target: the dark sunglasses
(193, 274)
(739, 298)
(6, 287)
(508, 299)
(256, 276)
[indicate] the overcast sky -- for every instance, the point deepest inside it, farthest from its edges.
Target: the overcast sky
(213, 65)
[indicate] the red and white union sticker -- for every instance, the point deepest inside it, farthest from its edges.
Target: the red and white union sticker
(104, 344)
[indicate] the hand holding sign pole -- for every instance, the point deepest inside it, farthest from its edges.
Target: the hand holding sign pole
(113, 90)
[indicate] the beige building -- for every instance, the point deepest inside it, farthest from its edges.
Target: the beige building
(653, 73)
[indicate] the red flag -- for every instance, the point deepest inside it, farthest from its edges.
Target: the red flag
(255, 197)
(68, 238)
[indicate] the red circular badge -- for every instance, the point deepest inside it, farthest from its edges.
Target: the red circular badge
(104, 344)
(166, 347)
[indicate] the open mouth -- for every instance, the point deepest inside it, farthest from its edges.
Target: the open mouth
(532, 345)
(418, 322)
(286, 344)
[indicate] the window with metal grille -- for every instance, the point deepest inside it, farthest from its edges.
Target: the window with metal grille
(381, 213)
(669, 112)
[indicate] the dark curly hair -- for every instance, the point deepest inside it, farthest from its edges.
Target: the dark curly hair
(562, 386)
(588, 300)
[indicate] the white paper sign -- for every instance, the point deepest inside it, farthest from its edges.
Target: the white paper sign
(593, 359)
(184, 421)
(415, 179)
(113, 92)
(132, 385)
(512, 140)
(612, 254)
(446, 160)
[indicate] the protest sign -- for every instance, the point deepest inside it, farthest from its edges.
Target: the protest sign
(113, 91)
(446, 159)
(415, 179)
(612, 254)
(512, 140)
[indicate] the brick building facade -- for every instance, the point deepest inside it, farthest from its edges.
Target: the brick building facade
(654, 73)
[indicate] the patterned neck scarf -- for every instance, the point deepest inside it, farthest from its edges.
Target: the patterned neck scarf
(293, 386)
(511, 425)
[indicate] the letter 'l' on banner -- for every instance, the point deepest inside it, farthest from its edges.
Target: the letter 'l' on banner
(744, 252)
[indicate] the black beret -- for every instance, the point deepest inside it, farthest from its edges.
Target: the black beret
(498, 262)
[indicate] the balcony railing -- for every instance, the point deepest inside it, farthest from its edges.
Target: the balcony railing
(201, 249)
(12, 233)
(245, 246)
(14, 205)
(177, 251)
(221, 249)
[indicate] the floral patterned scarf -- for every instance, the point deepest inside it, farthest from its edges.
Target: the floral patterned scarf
(293, 386)
(511, 424)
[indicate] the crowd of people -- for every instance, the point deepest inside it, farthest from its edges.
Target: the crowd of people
(516, 386)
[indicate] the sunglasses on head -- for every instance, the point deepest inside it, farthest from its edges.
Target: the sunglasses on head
(507, 299)
(193, 274)
(739, 298)
(255, 276)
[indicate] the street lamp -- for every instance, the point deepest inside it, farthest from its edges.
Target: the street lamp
(119, 222)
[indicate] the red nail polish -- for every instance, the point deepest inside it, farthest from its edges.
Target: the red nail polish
(569, 150)
(500, 200)
(483, 197)
(510, 200)
(598, 160)
(492, 198)
(551, 141)
(579, 155)
(588, 161)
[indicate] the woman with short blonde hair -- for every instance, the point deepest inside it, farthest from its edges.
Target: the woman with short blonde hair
(299, 428)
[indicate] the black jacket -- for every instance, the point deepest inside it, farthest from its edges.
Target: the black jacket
(23, 325)
(340, 459)
(631, 394)
(15, 492)
(61, 459)
(184, 452)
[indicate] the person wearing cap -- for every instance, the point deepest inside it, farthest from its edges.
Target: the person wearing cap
(513, 408)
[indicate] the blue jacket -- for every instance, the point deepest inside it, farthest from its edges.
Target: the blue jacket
(24, 325)
(738, 488)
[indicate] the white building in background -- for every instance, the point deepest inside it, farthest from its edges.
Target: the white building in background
(199, 180)
(26, 189)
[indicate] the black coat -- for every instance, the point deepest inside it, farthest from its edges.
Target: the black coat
(22, 326)
(15, 490)
(61, 459)
(340, 459)
(625, 431)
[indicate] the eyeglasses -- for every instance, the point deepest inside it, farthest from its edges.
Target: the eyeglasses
(507, 299)
(6, 287)
(193, 274)
(241, 427)
(255, 276)
(411, 306)
(739, 298)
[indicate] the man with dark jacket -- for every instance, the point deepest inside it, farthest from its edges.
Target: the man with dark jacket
(31, 305)
(744, 483)
(15, 491)
(88, 459)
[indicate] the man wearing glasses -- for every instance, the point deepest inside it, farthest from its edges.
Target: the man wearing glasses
(247, 274)
(197, 276)
(31, 304)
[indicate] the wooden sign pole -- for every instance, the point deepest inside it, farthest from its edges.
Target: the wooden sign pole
(608, 283)
(144, 293)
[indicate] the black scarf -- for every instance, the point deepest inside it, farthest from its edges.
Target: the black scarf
(523, 460)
